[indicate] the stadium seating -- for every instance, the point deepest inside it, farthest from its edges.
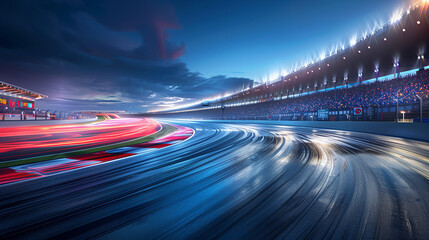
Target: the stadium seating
(380, 94)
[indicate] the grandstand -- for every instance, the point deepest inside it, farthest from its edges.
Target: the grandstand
(382, 75)
(17, 101)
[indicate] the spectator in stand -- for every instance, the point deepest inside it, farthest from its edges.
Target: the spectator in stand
(377, 93)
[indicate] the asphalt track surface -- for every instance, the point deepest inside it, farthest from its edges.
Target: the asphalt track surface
(235, 181)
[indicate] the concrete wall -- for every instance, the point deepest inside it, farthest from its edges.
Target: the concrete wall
(415, 131)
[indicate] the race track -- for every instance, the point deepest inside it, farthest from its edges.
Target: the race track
(235, 181)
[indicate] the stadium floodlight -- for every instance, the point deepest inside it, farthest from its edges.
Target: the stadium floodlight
(403, 30)
(369, 47)
(385, 39)
(359, 51)
(396, 17)
(418, 57)
(353, 41)
(374, 29)
(323, 55)
(285, 72)
(418, 22)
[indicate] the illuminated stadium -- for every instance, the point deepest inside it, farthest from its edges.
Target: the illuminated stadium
(17, 97)
(372, 74)
(161, 122)
(17, 100)
(17, 103)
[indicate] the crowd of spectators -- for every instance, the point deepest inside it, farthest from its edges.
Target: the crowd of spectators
(379, 93)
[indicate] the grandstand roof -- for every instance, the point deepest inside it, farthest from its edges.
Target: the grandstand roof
(19, 92)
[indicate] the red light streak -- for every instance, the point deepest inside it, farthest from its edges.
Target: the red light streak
(46, 168)
(21, 142)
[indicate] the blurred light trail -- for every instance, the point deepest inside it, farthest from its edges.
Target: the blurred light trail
(24, 142)
(50, 167)
(232, 180)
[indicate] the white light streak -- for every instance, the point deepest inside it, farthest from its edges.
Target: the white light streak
(396, 17)
(353, 41)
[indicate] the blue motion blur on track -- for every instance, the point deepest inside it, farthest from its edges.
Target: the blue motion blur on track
(235, 181)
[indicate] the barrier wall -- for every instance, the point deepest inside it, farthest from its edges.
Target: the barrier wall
(415, 131)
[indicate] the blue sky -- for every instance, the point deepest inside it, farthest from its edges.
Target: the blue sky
(251, 39)
(142, 55)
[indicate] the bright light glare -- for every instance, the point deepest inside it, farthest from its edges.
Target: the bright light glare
(323, 55)
(273, 77)
(285, 72)
(396, 17)
(353, 41)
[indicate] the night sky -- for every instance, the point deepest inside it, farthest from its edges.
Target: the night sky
(145, 55)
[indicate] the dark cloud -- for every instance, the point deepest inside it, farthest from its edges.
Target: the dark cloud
(100, 55)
